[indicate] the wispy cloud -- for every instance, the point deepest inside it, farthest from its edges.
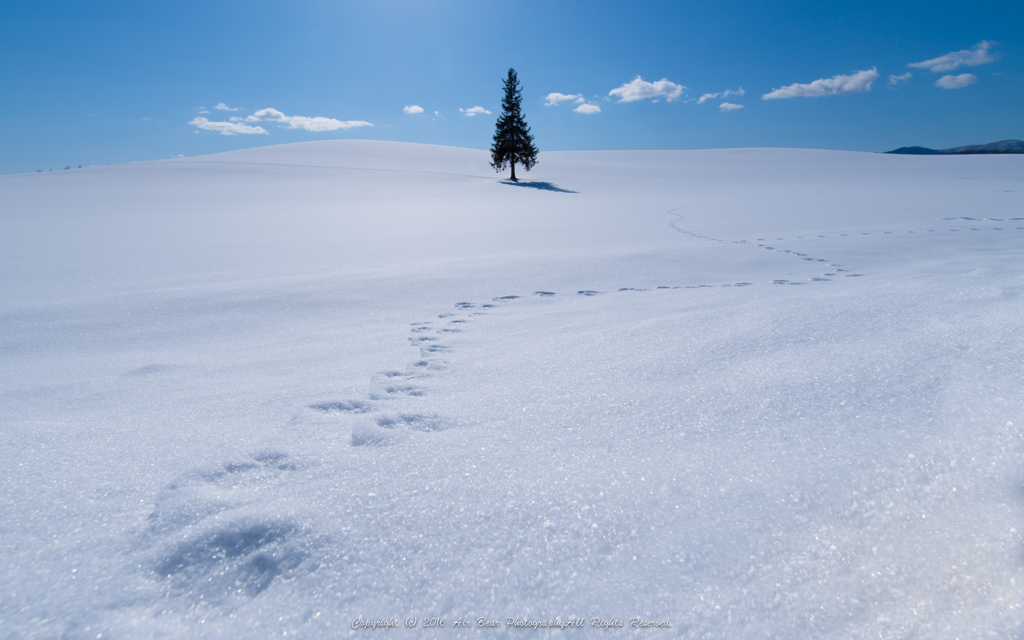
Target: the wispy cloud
(721, 94)
(895, 79)
(412, 109)
(473, 111)
(225, 128)
(317, 124)
(840, 85)
(728, 106)
(554, 99)
(956, 82)
(977, 55)
(223, 107)
(640, 89)
(588, 109)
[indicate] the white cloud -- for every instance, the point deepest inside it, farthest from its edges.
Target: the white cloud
(640, 89)
(728, 106)
(225, 128)
(956, 82)
(964, 58)
(554, 99)
(204, 111)
(317, 124)
(273, 115)
(895, 79)
(472, 111)
(859, 82)
(588, 109)
(412, 109)
(224, 107)
(722, 94)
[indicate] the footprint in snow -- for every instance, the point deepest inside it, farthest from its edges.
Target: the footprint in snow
(395, 391)
(205, 544)
(434, 348)
(344, 406)
(392, 429)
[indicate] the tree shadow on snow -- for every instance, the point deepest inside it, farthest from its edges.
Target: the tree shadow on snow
(546, 186)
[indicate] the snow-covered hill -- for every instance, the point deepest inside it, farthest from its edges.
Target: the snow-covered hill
(755, 393)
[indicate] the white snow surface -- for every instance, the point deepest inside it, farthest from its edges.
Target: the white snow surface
(756, 393)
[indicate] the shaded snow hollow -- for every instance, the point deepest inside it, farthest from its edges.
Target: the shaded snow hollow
(756, 393)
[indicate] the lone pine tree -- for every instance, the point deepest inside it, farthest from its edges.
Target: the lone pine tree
(512, 140)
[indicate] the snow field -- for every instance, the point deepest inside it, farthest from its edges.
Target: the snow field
(756, 392)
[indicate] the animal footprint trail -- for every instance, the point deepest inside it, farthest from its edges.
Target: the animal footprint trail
(377, 426)
(795, 254)
(836, 268)
(199, 542)
(376, 423)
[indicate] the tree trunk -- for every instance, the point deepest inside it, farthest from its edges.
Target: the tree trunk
(514, 171)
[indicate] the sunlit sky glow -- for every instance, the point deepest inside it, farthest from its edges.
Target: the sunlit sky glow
(106, 82)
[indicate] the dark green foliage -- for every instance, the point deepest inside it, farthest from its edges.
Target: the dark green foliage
(512, 140)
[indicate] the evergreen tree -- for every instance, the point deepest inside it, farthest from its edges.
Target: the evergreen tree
(512, 140)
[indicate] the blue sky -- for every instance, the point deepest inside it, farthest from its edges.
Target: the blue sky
(88, 83)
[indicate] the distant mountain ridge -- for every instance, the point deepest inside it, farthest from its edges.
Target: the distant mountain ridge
(1003, 146)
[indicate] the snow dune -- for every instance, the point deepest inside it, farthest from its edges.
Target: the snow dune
(752, 392)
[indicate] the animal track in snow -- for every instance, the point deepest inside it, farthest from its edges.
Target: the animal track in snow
(203, 544)
(241, 557)
(390, 429)
(434, 348)
(343, 406)
(205, 492)
(413, 421)
(802, 256)
(394, 385)
(405, 390)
